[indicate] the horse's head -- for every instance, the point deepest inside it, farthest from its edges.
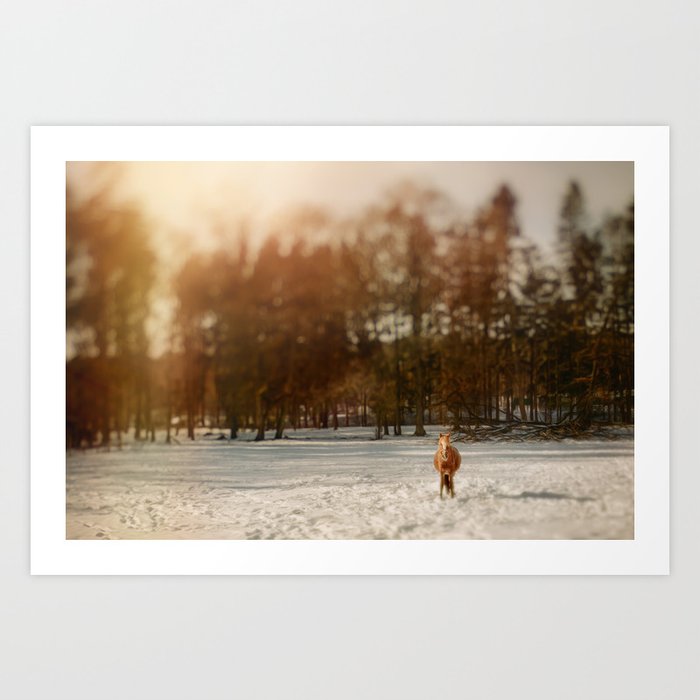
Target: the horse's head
(444, 444)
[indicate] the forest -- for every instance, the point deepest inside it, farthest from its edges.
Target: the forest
(407, 314)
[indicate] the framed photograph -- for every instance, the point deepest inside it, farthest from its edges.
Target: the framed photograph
(350, 350)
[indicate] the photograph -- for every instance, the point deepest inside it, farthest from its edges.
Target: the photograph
(341, 334)
(349, 350)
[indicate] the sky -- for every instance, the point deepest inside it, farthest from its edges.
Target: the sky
(185, 200)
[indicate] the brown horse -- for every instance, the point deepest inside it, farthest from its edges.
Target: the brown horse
(447, 461)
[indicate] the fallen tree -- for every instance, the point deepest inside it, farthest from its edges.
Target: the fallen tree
(518, 431)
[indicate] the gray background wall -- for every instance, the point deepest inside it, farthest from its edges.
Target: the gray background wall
(310, 62)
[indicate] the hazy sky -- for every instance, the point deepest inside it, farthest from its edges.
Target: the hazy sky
(188, 197)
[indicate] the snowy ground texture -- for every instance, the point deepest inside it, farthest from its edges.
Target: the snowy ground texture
(344, 485)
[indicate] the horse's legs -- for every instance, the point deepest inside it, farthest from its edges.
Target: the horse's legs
(442, 484)
(452, 485)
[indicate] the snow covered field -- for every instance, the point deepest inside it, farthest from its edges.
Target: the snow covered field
(344, 485)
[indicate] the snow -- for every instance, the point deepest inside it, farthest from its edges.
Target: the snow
(345, 485)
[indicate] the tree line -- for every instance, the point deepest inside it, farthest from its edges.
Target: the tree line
(408, 314)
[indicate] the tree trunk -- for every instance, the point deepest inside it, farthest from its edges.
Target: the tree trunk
(420, 429)
(137, 419)
(190, 424)
(279, 423)
(260, 416)
(168, 401)
(397, 368)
